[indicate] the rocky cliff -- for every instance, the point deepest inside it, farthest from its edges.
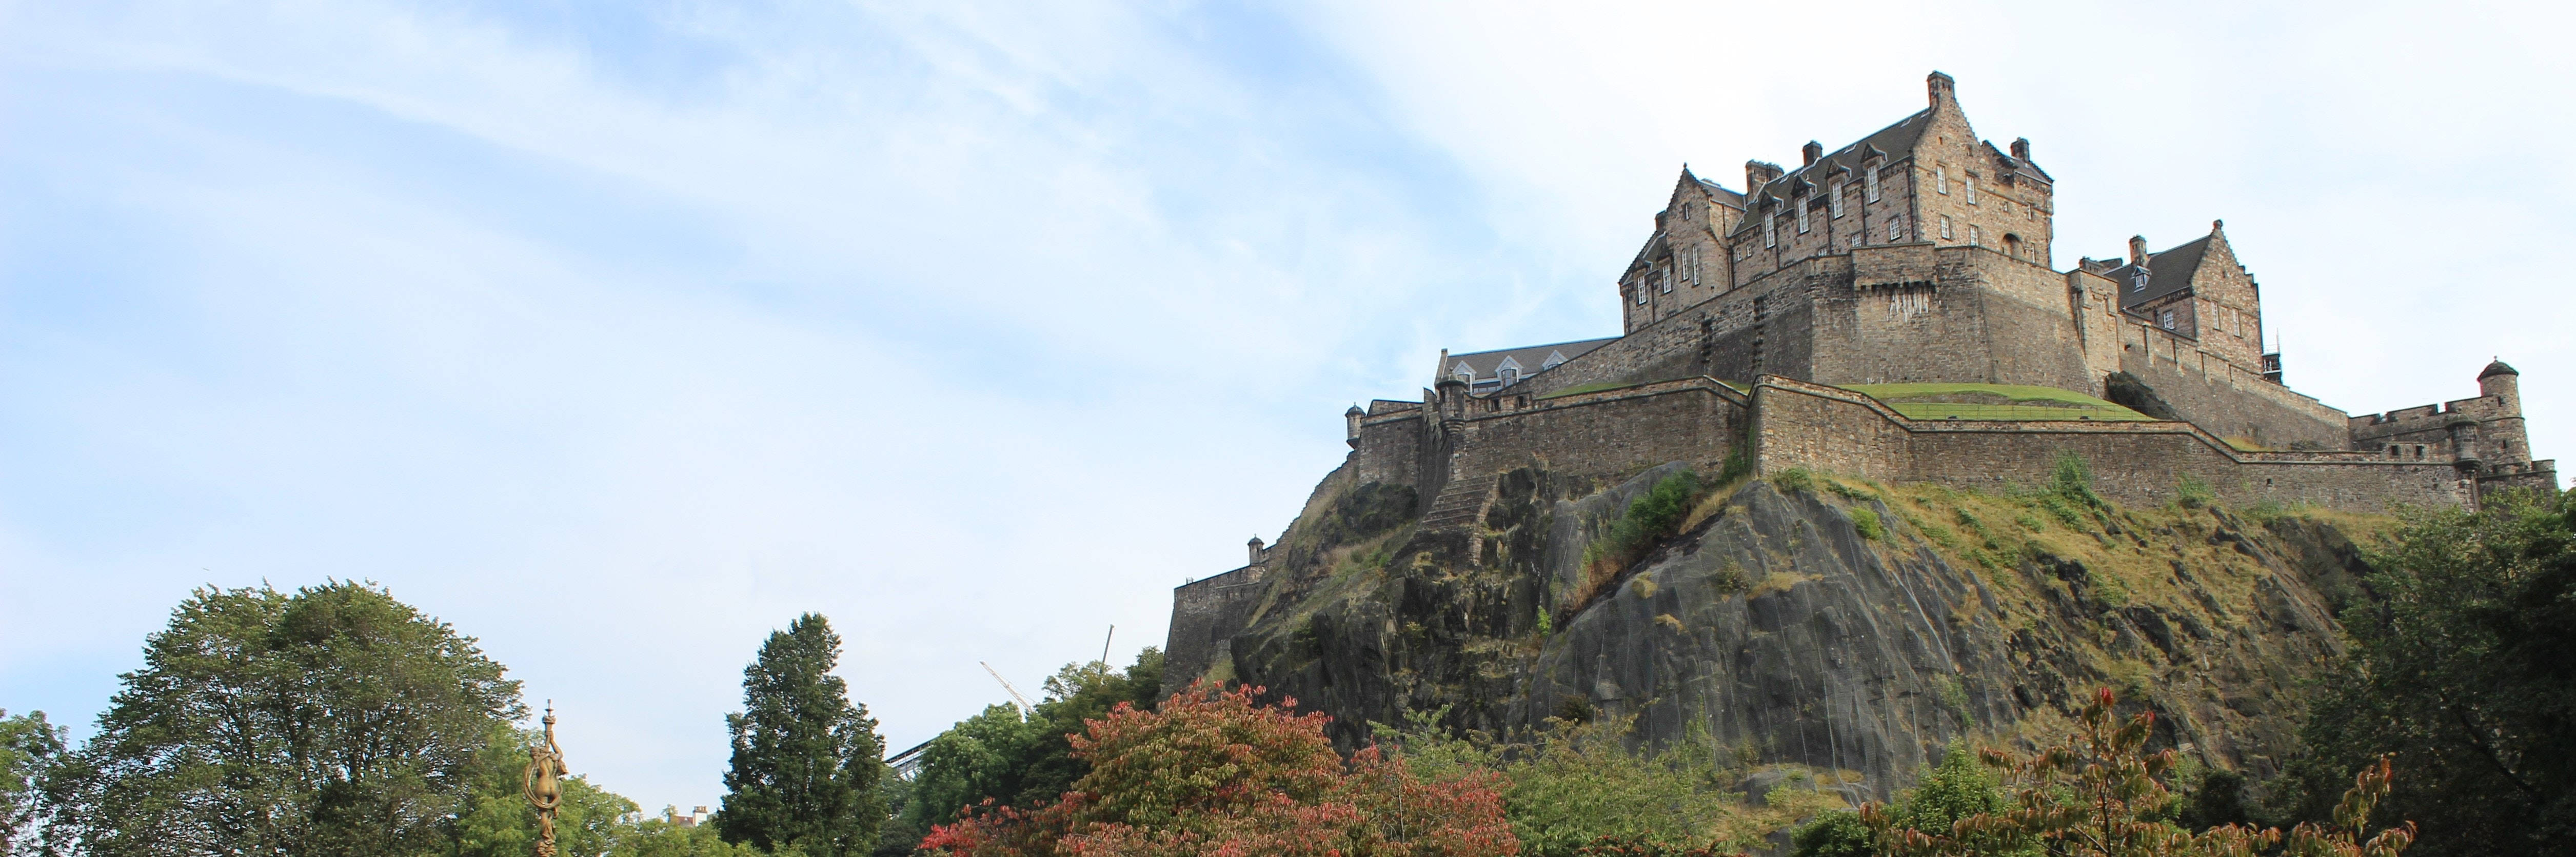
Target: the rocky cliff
(1847, 627)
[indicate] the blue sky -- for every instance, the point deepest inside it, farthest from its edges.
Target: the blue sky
(617, 334)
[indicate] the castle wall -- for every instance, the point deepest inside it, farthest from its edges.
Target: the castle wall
(1206, 614)
(1808, 425)
(2094, 302)
(1390, 447)
(2228, 399)
(1601, 434)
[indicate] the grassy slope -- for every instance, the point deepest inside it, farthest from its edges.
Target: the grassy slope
(2025, 402)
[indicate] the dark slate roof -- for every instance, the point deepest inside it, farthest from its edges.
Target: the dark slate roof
(1892, 141)
(1487, 365)
(1728, 197)
(2496, 368)
(2167, 272)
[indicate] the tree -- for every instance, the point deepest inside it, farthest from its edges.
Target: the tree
(2101, 794)
(1016, 760)
(806, 761)
(1216, 773)
(332, 721)
(2462, 665)
(29, 747)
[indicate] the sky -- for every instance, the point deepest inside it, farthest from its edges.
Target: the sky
(618, 334)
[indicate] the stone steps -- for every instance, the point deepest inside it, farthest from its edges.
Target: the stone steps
(1461, 503)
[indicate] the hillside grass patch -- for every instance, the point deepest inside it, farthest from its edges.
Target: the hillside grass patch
(1994, 402)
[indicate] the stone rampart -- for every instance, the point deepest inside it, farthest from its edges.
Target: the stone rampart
(1601, 433)
(1206, 614)
(1825, 428)
(2225, 398)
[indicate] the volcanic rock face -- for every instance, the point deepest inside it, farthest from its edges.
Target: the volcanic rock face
(1843, 626)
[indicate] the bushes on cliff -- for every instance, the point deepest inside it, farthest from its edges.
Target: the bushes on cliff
(2464, 667)
(1218, 773)
(2100, 792)
(1648, 520)
(1575, 789)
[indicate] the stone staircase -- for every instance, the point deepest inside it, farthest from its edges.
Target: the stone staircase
(1461, 503)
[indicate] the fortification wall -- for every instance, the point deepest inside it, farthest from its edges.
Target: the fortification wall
(2227, 399)
(1807, 425)
(1916, 313)
(1206, 614)
(1601, 434)
(1390, 447)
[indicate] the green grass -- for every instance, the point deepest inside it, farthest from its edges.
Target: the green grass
(1587, 388)
(1993, 402)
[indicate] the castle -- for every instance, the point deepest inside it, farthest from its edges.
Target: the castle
(1891, 310)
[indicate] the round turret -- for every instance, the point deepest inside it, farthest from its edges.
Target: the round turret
(2501, 381)
(1351, 425)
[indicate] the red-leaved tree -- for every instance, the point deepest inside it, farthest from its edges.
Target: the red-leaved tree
(1214, 773)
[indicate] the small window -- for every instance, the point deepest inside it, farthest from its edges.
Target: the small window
(1770, 231)
(1801, 205)
(1869, 185)
(1941, 180)
(1970, 183)
(1836, 200)
(2166, 320)
(2138, 281)
(1946, 234)
(1666, 278)
(1895, 230)
(1975, 238)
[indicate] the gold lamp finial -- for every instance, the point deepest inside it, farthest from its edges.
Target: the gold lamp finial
(544, 784)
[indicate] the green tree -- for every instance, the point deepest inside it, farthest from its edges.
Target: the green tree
(806, 761)
(29, 747)
(660, 837)
(335, 720)
(1016, 761)
(2462, 665)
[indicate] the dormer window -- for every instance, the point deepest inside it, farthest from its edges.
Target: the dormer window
(1869, 185)
(1509, 371)
(1835, 202)
(1463, 372)
(1941, 180)
(2138, 281)
(1553, 359)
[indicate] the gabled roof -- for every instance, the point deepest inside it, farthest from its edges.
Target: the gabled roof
(1531, 359)
(1892, 141)
(2167, 272)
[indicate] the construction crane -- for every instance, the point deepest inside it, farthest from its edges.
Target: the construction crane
(1006, 685)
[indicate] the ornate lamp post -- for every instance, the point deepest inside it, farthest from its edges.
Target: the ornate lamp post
(544, 784)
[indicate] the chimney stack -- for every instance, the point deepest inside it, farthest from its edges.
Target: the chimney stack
(1941, 88)
(1757, 174)
(1813, 151)
(2021, 148)
(2137, 249)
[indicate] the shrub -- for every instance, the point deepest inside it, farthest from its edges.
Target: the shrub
(2194, 492)
(1834, 834)
(1794, 479)
(1865, 520)
(1649, 519)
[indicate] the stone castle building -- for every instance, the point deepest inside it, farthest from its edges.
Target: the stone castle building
(1920, 254)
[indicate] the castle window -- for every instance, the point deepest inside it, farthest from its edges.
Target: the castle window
(1770, 231)
(1895, 229)
(1836, 200)
(1640, 288)
(1801, 205)
(1665, 277)
(2138, 280)
(1869, 185)
(1970, 184)
(2166, 320)
(1975, 238)
(1946, 235)
(1941, 180)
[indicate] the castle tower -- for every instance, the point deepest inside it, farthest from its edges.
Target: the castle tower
(2504, 437)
